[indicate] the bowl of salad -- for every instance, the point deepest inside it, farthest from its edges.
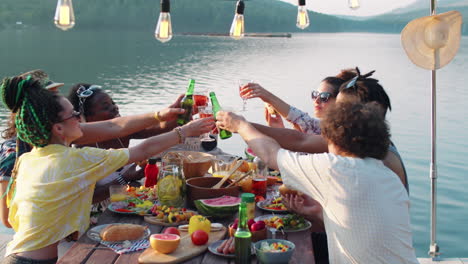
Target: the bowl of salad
(274, 251)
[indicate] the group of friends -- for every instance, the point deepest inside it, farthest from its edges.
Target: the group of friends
(353, 182)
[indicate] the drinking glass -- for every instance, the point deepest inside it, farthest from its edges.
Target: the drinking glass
(200, 99)
(243, 82)
(118, 193)
(203, 112)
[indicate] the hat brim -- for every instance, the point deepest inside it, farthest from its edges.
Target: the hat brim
(413, 40)
(54, 86)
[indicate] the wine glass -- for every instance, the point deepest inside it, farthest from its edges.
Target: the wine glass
(203, 112)
(200, 99)
(242, 83)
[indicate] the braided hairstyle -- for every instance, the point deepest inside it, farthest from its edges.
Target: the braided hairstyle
(36, 109)
(82, 105)
(365, 88)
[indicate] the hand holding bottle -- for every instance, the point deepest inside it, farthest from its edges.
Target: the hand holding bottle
(229, 121)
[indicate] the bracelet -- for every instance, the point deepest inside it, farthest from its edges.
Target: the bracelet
(121, 180)
(180, 134)
(157, 117)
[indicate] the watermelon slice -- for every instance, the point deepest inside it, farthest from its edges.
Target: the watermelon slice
(249, 154)
(219, 207)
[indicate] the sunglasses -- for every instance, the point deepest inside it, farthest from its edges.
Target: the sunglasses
(322, 96)
(352, 83)
(74, 114)
(84, 92)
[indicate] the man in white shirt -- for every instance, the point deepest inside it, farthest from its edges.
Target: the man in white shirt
(366, 208)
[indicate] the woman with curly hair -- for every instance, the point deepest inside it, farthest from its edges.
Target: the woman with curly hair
(365, 206)
(53, 185)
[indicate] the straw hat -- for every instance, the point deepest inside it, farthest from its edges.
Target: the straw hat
(43, 78)
(431, 42)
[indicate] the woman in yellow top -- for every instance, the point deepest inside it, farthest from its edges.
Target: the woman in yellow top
(54, 182)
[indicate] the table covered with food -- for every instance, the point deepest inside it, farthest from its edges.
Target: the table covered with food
(186, 218)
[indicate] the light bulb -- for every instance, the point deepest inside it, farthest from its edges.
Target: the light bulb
(302, 17)
(64, 16)
(237, 26)
(163, 30)
(354, 4)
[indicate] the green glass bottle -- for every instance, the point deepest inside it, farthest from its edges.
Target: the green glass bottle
(223, 134)
(187, 104)
(243, 237)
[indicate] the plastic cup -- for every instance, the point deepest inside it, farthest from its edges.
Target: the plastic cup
(117, 193)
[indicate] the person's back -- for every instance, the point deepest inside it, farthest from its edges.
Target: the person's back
(354, 218)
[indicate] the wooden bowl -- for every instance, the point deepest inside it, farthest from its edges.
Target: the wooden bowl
(200, 188)
(195, 163)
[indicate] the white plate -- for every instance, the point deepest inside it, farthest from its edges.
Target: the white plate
(94, 233)
(264, 217)
(263, 203)
(213, 248)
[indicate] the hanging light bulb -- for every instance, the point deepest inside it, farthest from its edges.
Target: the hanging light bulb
(302, 16)
(354, 4)
(237, 26)
(64, 16)
(163, 30)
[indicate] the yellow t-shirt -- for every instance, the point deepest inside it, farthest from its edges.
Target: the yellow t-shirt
(54, 189)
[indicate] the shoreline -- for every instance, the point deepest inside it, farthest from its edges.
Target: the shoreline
(261, 35)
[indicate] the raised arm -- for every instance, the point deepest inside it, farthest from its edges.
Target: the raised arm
(123, 126)
(156, 144)
(294, 140)
(264, 146)
(253, 90)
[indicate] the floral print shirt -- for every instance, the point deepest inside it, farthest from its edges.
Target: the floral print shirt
(308, 124)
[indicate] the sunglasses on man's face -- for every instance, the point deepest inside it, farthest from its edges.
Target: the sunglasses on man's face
(322, 96)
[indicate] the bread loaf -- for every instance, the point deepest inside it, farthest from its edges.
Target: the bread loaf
(122, 232)
(285, 190)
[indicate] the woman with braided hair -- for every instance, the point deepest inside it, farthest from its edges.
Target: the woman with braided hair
(93, 132)
(51, 196)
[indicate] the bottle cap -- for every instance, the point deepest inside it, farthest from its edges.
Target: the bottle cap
(248, 197)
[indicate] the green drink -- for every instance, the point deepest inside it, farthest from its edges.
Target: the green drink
(243, 237)
(187, 104)
(223, 134)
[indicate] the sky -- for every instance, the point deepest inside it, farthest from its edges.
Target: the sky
(367, 7)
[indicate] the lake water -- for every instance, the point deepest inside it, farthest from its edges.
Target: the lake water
(143, 75)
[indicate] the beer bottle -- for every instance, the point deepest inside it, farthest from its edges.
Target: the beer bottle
(242, 237)
(223, 134)
(187, 104)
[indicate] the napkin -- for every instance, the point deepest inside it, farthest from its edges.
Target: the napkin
(127, 246)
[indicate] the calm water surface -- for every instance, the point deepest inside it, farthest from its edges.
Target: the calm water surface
(144, 75)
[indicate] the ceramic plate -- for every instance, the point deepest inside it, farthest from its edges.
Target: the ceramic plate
(262, 205)
(263, 217)
(94, 233)
(214, 246)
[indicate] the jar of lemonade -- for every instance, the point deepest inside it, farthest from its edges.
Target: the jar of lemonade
(171, 186)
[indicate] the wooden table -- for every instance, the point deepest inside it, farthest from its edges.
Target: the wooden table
(83, 250)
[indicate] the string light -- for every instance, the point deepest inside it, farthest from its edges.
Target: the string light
(163, 30)
(237, 26)
(354, 4)
(302, 16)
(64, 16)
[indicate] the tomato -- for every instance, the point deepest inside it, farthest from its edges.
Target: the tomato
(172, 230)
(199, 237)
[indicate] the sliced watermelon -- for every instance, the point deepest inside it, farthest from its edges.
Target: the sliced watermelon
(249, 154)
(219, 207)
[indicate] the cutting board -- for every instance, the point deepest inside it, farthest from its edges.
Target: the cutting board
(185, 251)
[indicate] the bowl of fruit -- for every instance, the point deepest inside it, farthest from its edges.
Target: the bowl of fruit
(257, 228)
(274, 251)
